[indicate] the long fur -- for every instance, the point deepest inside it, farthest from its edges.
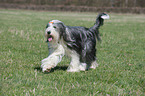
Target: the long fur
(79, 41)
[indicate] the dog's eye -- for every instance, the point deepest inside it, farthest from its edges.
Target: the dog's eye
(54, 26)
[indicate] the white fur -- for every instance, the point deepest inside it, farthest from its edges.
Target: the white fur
(83, 67)
(105, 17)
(75, 63)
(94, 65)
(53, 59)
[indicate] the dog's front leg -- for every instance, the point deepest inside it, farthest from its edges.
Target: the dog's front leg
(75, 63)
(53, 59)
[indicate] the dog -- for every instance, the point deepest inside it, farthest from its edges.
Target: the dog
(77, 42)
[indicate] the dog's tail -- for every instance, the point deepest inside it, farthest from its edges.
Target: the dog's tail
(99, 22)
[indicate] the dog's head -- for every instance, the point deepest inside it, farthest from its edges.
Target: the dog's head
(54, 31)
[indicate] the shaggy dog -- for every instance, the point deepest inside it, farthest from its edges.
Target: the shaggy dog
(78, 42)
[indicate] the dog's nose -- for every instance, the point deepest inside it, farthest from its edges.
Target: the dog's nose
(48, 32)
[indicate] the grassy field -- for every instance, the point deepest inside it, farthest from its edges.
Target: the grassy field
(121, 56)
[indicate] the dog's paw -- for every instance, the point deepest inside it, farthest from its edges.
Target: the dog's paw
(83, 67)
(46, 66)
(94, 65)
(46, 70)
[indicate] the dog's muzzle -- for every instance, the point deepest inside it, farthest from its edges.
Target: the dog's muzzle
(49, 36)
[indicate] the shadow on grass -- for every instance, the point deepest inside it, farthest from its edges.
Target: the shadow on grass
(64, 68)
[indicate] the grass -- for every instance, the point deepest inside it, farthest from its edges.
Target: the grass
(121, 56)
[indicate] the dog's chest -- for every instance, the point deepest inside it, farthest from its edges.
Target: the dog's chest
(64, 44)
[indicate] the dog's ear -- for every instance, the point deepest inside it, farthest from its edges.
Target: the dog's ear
(62, 29)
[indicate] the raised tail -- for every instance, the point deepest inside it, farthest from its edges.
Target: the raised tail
(99, 22)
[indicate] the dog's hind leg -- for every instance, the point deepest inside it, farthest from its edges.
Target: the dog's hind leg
(94, 64)
(75, 63)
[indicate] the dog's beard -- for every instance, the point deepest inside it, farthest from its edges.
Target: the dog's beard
(49, 38)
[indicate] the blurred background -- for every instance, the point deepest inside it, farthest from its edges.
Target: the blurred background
(117, 6)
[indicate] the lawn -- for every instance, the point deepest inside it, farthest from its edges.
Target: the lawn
(121, 56)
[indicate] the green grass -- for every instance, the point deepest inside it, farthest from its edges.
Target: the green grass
(121, 56)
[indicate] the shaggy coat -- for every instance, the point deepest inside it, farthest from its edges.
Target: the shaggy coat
(80, 41)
